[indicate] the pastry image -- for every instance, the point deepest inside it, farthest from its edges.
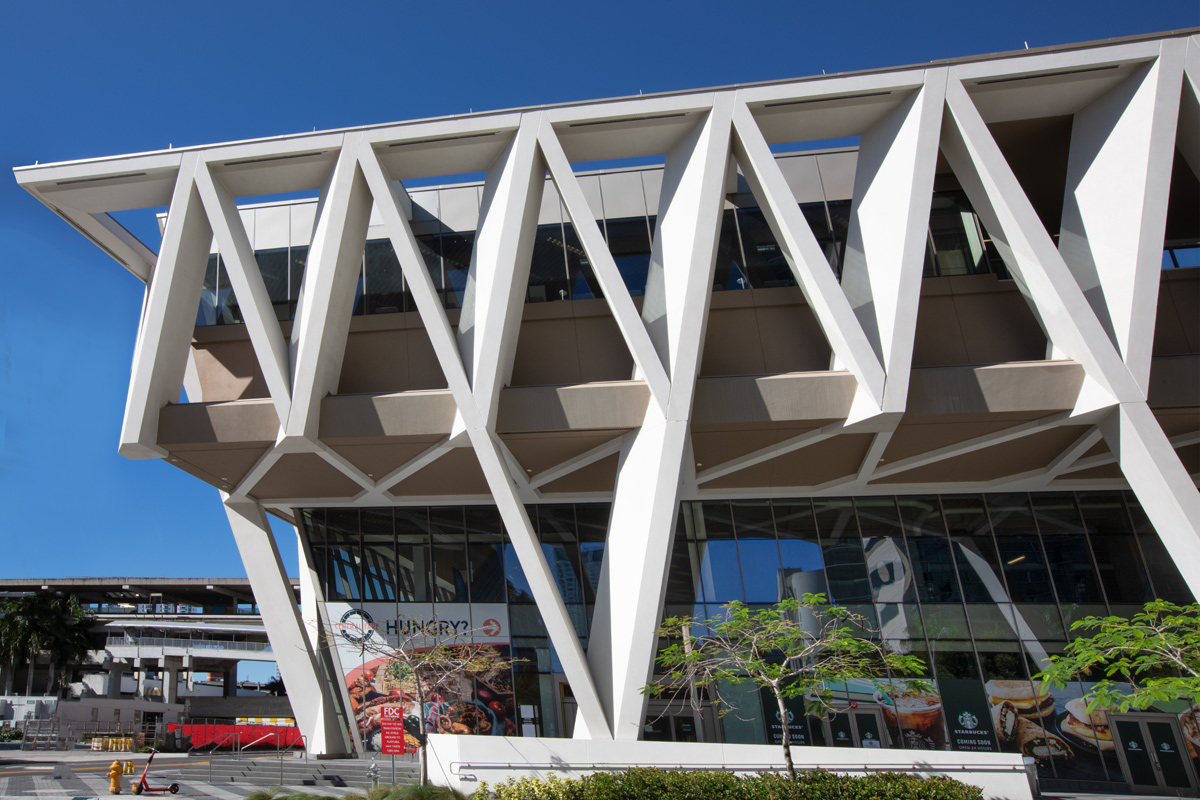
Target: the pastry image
(1090, 727)
(1030, 703)
(1004, 722)
(1032, 740)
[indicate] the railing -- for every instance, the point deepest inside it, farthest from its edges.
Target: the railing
(264, 737)
(282, 750)
(190, 644)
(216, 744)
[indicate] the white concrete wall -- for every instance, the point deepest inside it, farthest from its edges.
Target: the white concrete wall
(463, 761)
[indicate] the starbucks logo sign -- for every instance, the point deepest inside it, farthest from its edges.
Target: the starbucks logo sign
(968, 720)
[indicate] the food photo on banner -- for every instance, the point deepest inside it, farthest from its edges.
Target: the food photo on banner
(1055, 727)
(368, 636)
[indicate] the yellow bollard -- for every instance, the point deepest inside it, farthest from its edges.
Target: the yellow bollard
(114, 774)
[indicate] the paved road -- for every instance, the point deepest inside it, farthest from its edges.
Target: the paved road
(83, 781)
(81, 775)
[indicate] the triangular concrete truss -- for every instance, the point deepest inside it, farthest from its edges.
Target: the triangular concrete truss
(1094, 294)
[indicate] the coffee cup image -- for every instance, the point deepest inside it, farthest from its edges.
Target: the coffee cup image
(916, 714)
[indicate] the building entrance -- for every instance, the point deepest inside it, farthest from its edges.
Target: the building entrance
(857, 727)
(1153, 755)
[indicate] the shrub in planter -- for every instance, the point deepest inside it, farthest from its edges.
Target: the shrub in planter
(654, 784)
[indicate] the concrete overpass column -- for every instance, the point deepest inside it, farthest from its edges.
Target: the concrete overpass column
(170, 679)
(116, 670)
(139, 667)
(191, 674)
(229, 689)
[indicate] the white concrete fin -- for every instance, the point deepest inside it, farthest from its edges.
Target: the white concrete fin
(297, 660)
(415, 465)
(1026, 247)
(256, 473)
(580, 461)
(632, 583)
(541, 582)
(247, 281)
(646, 496)
(889, 224)
(165, 335)
(616, 294)
(489, 301)
(790, 445)
(390, 206)
(969, 446)
(334, 265)
(496, 284)
(1162, 484)
(113, 236)
(1176, 442)
(809, 267)
(1115, 205)
(683, 252)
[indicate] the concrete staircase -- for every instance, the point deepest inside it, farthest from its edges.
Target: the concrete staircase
(271, 770)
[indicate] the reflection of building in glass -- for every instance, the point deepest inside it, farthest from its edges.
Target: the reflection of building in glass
(946, 379)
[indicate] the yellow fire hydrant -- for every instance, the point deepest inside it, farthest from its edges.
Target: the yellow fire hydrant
(114, 774)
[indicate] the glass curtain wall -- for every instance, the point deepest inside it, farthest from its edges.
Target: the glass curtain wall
(983, 588)
(748, 257)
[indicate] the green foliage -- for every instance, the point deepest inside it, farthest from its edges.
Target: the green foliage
(10, 733)
(388, 792)
(654, 784)
(795, 648)
(1156, 652)
(44, 623)
(415, 792)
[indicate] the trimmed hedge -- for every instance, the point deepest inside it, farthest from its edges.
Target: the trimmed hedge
(656, 784)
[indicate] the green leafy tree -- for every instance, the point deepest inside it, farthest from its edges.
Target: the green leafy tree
(44, 623)
(1152, 657)
(794, 648)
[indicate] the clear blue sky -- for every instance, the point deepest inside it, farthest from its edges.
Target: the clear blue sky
(95, 79)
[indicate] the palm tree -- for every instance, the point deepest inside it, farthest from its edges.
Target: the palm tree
(44, 623)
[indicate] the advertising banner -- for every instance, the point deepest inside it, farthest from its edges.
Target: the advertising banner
(968, 715)
(367, 637)
(796, 722)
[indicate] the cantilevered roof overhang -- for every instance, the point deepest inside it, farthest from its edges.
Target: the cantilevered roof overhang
(1005, 86)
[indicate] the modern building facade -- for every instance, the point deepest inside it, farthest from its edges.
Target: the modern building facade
(549, 374)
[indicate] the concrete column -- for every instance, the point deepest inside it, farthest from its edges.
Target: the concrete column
(229, 689)
(170, 676)
(311, 695)
(140, 670)
(115, 672)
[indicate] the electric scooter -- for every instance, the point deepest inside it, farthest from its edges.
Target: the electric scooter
(141, 786)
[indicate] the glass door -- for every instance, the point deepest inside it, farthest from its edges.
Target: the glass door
(1151, 752)
(858, 727)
